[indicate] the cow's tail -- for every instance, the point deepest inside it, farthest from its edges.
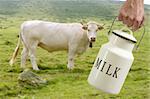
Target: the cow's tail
(11, 62)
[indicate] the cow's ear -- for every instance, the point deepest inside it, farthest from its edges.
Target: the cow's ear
(100, 27)
(85, 27)
(83, 21)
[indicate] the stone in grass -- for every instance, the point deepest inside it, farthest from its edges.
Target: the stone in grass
(29, 79)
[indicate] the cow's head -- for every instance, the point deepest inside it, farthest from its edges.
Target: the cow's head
(92, 28)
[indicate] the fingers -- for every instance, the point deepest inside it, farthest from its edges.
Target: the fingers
(142, 23)
(130, 22)
(125, 19)
(120, 17)
(135, 23)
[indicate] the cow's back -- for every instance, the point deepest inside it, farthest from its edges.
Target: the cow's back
(50, 35)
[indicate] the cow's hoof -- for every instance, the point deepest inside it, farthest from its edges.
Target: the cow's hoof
(36, 69)
(70, 67)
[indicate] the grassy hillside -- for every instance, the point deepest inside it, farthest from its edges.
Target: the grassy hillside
(60, 8)
(62, 83)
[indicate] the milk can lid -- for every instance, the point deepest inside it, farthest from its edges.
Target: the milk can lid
(124, 35)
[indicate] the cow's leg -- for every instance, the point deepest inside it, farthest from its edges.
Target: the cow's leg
(32, 52)
(24, 55)
(71, 55)
(70, 60)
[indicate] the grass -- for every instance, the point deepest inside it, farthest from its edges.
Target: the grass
(62, 83)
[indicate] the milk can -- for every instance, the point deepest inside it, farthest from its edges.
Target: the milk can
(113, 62)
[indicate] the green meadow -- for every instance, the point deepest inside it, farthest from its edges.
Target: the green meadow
(62, 83)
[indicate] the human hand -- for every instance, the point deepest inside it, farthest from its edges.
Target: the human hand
(132, 14)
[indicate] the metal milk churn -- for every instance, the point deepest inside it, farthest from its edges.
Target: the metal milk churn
(113, 62)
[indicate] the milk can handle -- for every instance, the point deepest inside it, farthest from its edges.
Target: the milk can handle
(126, 28)
(138, 44)
(116, 18)
(112, 25)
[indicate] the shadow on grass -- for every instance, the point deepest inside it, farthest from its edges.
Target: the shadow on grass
(14, 70)
(59, 68)
(138, 69)
(8, 43)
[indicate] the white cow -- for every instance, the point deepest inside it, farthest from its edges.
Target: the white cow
(73, 37)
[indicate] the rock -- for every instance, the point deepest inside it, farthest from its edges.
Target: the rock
(28, 78)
